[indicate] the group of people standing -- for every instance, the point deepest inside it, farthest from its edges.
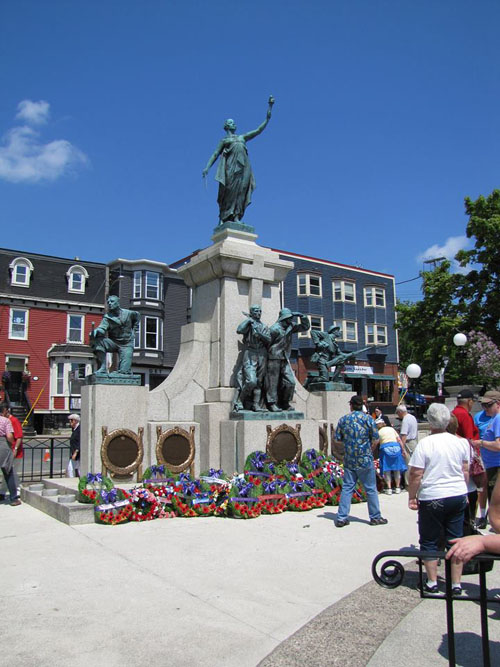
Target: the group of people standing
(444, 473)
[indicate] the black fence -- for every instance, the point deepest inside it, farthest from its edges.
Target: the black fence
(392, 574)
(44, 456)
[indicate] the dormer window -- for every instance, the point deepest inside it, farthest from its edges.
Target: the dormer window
(77, 277)
(21, 270)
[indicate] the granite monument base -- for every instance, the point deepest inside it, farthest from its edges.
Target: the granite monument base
(239, 438)
(113, 406)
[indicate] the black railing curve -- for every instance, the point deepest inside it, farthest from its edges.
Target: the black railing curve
(392, 574)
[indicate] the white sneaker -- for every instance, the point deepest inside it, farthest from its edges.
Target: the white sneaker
(388, 492)
(397, 490)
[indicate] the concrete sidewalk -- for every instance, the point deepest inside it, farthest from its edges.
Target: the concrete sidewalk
(204, 591)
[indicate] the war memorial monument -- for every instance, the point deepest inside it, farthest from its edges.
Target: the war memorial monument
(232, 384)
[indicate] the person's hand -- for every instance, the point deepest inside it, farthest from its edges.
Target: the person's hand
(465, 548)
(204, 173)
(413, 504)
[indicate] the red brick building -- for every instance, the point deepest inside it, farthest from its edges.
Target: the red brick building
(47, 307)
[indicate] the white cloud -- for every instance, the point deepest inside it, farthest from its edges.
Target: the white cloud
(24, 158)
(33, 113)
(449, 249)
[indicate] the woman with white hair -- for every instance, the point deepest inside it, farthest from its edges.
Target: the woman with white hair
(439, 470)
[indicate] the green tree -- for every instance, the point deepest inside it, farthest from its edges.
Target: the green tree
(426, 328)
(478, 292)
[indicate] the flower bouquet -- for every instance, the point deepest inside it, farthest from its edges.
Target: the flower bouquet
(312, 463)
(211, 481)
(90, 485)
(112, 507)
(243, 507)
(259, 462)
(257, 480)
(300, 501)
(157, 474)
(145, 506)
(203, 504)
(319, 497)
(273, 503)
(182, 505)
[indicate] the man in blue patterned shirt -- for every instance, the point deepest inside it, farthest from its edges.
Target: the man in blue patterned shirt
(359, 435)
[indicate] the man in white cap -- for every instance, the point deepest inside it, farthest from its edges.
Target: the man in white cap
(408, 434)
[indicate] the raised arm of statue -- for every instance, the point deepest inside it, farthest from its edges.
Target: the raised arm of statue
(254, 133)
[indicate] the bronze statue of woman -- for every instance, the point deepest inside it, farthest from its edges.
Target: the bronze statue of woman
(234, 172)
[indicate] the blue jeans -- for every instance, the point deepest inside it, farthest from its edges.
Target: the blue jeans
(369, 481)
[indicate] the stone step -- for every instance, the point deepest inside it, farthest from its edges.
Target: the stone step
(58, 500)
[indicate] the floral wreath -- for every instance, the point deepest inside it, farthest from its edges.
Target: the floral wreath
(145, 506)
(90, 485)
(112, 507)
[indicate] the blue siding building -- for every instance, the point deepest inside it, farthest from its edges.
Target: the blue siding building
(361, 302)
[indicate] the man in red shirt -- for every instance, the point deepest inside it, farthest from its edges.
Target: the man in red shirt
(17, 447)
(466, 426)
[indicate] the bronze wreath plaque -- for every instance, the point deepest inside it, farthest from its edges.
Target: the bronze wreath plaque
(175, 448)
(122, 451)
(337, 449)
(323, 439)
(284, 443)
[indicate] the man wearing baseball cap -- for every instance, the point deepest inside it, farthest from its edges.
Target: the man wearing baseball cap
(488, 423)
(462, 411)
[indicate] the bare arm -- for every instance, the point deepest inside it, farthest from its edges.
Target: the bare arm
(492, 446)
(465, 470)
(415, 479)
(213, 157)
(465, 548)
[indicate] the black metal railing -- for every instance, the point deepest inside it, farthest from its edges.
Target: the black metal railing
(44, 456)
(392, 574)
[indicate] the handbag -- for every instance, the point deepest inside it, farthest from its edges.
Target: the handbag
(477, 470)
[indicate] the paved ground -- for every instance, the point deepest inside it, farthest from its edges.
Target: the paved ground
(280, 590)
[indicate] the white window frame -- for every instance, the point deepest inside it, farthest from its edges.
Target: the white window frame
(82, 328)
(137, 291)
(319, 327)
(376, 329)
(370, 292)
(24, 262)
(146, 286)
(341, 282)
(306, 280)
(343, 328)
(137, 337)
(158, 330)
(11, 323)
(73, 271)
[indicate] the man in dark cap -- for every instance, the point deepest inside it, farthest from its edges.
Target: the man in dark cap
(280, 379)
(466, 426)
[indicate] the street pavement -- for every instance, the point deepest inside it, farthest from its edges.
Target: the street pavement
(278, 590)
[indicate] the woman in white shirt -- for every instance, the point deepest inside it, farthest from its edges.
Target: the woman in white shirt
(439, 470)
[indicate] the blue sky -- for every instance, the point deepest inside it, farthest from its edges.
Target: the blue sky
(386, 117)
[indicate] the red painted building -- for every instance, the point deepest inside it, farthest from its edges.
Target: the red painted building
(47, 307)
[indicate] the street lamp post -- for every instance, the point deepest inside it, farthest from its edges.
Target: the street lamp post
(460, 339)
(413, 371)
